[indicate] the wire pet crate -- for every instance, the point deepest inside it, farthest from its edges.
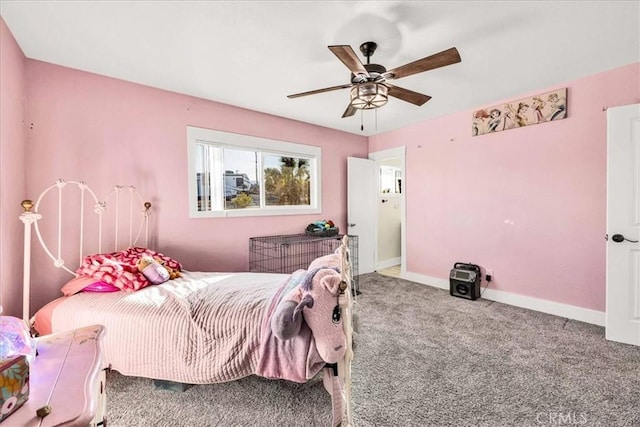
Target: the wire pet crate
(291, 252)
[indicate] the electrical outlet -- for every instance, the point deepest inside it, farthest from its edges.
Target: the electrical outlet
(488, 275)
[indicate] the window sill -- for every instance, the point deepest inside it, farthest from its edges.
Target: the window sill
(255, 212)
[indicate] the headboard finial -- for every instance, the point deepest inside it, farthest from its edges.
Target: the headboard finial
(27, 205)
(343, 286)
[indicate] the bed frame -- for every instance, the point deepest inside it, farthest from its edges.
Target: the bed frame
(125, 212)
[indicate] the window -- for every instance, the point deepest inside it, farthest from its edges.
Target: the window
(390, 180)
(239, 175)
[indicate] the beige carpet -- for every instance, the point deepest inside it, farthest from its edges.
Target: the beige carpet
(424, 358)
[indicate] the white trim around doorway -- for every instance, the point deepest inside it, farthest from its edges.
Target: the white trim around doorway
(397, 152)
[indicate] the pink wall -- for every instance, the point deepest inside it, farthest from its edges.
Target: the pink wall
(12, 170)
(528, 203)
(105, 131)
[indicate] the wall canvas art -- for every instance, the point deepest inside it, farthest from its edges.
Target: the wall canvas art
(546, 107)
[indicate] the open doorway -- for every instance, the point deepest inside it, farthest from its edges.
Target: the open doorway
(390, 211)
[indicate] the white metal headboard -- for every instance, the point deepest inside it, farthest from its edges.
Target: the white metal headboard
(32, 215)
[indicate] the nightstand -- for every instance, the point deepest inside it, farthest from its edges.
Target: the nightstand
(68, 377)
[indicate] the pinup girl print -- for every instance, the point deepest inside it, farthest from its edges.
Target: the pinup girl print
(558, 107)
(537, 106)
(521, 118)
(494, 120)
(478, 122)
(509, 117)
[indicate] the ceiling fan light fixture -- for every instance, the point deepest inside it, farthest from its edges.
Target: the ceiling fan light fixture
(367, 96)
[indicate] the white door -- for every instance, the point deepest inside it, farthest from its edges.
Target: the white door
(623, 224)
(361, 209)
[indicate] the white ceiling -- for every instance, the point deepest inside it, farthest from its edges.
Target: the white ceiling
(253, 54)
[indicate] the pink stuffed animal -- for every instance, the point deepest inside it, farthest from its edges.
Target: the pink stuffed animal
(315, 300)
(153, 270)
(285, 321)
(319, 306)
(333, 260)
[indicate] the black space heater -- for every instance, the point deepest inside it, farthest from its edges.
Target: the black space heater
(464, 281)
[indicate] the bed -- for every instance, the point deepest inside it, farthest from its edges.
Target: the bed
(188, 327)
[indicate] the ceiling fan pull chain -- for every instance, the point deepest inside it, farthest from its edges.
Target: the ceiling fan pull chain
(361, 120)
(376, 119)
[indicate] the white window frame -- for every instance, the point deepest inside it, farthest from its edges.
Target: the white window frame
(196, 135)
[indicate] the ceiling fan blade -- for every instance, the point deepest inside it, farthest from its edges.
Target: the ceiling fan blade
(349, 58)
(407, 95)
(313, 92)
(446, 57)
(350, 111)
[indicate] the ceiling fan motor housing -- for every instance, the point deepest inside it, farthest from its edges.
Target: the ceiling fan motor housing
(375, 74)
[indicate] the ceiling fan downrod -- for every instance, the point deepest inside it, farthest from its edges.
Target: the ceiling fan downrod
(367, 49)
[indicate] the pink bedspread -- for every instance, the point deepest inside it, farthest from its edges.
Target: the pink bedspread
(198, 329)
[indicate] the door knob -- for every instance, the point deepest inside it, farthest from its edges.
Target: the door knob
(618, 238)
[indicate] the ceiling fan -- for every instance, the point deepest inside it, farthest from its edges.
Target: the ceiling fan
(370, 87)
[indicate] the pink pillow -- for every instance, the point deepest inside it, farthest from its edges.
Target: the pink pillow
(84, 283)
(100, 287)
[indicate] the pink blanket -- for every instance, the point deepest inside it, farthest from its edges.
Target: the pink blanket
(119, 268)
(201, 328)
(295, 359)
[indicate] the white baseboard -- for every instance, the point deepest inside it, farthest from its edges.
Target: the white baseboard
(388, 263)
(557, 309)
